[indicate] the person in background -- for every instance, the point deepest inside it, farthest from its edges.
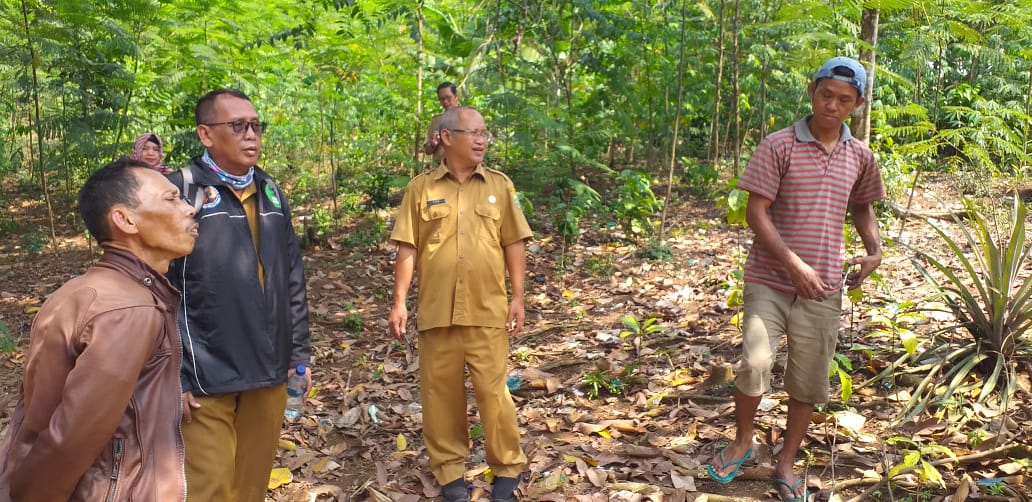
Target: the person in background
(802, 180)
(98, 417)
(245, 310)
(448, 96)
(149, 149)
(461, 226)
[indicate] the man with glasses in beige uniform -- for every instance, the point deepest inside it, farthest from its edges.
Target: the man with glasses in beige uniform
(461, 227)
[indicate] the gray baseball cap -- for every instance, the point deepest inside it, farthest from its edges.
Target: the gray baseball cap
(835, 68)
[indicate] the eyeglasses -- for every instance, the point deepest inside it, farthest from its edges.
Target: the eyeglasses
(486, 135)
(241, 126)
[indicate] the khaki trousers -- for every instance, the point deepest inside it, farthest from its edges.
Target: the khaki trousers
(443, 355)
(812, 330)
(231, 445)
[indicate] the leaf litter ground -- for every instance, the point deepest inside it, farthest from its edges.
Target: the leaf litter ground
(664, 399)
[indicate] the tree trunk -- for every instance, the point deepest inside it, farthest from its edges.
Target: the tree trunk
(861, 123)
(763, 81)
(1028, 109)
(735, 91)
(34, 62)
(677, 122)
(715, 123)
(417, 145)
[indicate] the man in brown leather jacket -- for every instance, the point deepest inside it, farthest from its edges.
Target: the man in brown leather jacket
(101, 401)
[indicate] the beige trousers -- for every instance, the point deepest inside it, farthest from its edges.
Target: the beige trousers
(444, 353)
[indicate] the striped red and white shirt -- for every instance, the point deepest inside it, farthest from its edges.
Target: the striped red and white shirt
(810, 190)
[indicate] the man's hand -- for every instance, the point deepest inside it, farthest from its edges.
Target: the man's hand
(431, 144)
(189, 403)
(807, 281)
(867, 265)
(397, 320)
(514, 323)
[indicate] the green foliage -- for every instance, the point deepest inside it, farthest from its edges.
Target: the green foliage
(996, 489)
(735, 203)
(644, 328)
(582, 200)
(476, 431)
(699, 176)
(842, 368)
(378, 186)
(635, 203)
(990, 299)
(33, 241)
(919, 457)
(8, 344)
(599, 265)
(656, 251)
(353, 322)
(368, 232)
(893, 320)
(598, 380)
(735, 284)
(322, 223)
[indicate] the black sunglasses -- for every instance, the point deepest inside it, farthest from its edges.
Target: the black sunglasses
(241, 126)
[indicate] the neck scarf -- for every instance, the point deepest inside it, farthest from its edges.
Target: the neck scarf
(237, 182)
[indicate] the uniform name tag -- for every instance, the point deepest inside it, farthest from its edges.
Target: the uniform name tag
(435, 202)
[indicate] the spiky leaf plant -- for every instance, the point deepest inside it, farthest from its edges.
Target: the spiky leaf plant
(990, 299)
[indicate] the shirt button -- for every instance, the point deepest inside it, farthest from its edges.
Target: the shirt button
(462, 232)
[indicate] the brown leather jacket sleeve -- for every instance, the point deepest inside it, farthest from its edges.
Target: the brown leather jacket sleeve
(112, 349)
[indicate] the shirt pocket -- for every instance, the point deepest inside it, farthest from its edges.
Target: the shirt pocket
(433, 218)
(489, 217)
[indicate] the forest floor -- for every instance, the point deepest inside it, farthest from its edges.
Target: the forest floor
(649, 434)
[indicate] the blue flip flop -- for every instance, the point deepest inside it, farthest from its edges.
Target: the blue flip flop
(731, 475)
(778, 483)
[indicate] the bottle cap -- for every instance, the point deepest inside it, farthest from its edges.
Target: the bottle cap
(301, 369)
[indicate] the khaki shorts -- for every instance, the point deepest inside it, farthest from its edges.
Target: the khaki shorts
(812, 328)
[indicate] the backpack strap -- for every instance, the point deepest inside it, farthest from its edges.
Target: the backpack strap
(190, 190)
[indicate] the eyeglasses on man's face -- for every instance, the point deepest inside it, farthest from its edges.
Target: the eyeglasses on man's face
(485, 135)
(241, 126)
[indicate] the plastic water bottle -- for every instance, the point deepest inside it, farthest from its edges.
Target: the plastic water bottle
(513, 380)
(296, 393)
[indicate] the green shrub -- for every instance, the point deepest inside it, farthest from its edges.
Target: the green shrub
(992, 302)
(636, 204)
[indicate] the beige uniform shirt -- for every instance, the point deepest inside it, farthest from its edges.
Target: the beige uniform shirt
(459, 231)
(435, 123)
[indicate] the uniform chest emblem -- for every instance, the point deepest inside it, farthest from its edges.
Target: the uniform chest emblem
(270, 193)
(212, 198)
(491, 199)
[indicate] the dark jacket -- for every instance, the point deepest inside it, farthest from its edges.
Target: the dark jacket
(98, 419)
(238, 334)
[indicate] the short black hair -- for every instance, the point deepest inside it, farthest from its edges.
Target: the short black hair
(442, 85)
(205, 110)
(111, 185)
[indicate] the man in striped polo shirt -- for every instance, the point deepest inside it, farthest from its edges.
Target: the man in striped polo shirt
(802, 180)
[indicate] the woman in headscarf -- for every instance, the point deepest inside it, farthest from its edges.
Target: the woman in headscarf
(148, 149)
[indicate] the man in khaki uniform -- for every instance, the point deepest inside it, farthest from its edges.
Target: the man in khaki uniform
(448, 95)
(461, 227)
